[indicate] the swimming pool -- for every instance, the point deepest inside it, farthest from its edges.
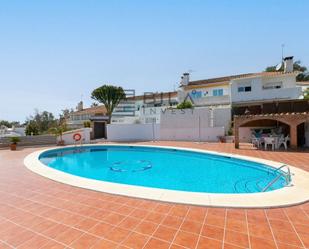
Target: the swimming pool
(165, 168)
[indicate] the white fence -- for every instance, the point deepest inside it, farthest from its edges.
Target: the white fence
(192, 134)
(222, 117)
(133, 132)
(182, 125)
(193, 125)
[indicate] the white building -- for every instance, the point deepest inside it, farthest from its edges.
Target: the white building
(77, 119)
(267, 86)
(144, 109)
(209, 92)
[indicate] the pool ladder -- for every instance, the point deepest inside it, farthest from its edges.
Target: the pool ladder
(287, 176)
(78, 146)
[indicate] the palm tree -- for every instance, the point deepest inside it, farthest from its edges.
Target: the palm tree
(58, 131)
(109, 96)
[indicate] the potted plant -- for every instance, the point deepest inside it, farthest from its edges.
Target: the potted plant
(222, 139)
(14, 141)
(58, 131)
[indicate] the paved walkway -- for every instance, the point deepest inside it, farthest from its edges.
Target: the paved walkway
(36, 212)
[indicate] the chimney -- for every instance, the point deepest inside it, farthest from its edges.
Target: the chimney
(80, 106)
(185, 79)
(288, 64)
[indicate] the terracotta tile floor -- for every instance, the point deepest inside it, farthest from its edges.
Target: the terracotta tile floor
(36, 212)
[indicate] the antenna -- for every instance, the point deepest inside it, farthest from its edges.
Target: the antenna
(278, 67)
(81, 97)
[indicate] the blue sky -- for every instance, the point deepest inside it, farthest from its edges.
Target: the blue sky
(52, 52)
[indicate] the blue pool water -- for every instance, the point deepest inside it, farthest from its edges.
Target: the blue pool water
(163, 168)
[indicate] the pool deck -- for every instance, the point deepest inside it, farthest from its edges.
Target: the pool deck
(36, 212)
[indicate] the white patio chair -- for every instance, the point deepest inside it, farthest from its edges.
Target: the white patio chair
(269, 141)
(284, 141)
(255, 141)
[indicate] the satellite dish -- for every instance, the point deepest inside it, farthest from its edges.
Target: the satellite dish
(278, 67)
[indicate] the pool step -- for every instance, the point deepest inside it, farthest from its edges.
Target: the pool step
(250, 185)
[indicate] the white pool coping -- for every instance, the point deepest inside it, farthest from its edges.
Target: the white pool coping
(297, 193)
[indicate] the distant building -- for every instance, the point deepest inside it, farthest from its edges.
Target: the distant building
(213, 92)
(96, 115)
(144, 109)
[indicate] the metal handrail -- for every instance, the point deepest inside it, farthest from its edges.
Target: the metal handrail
(287, 176)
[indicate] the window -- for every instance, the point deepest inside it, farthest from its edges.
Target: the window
(272, 85)
(244, 88)
(196, 94)
(173, 102)
(217, 92)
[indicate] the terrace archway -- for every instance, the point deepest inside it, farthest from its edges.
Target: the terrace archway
(293, 121)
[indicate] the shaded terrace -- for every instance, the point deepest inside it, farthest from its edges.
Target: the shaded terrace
(290, 116)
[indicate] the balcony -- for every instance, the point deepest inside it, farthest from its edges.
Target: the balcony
(267, 94)
(212, 100)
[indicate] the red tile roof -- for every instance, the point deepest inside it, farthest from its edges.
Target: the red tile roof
(226, 79)
(92, 110)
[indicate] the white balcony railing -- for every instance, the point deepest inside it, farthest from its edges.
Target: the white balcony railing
(268, 94)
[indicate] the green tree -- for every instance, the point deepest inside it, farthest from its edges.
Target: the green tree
(32, 128)
(5, 123)
(109, 96)
(43, 120)
(64, 115)
(303, 76)
(306, 94)
(185, 105)
(9, 124)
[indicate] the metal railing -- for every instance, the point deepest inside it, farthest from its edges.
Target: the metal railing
(287, 176)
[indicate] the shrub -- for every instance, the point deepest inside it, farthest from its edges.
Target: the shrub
(14, 140)
(32, 128)
(58, 130)
(185, 105)
(87, 124)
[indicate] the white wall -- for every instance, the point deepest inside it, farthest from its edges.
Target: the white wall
(222, 117)
(149, 114)
(68, 136)
(20, 130)
(245, 134)
(133, 132)
(183, 125)
(192, 134)
(189, 125)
